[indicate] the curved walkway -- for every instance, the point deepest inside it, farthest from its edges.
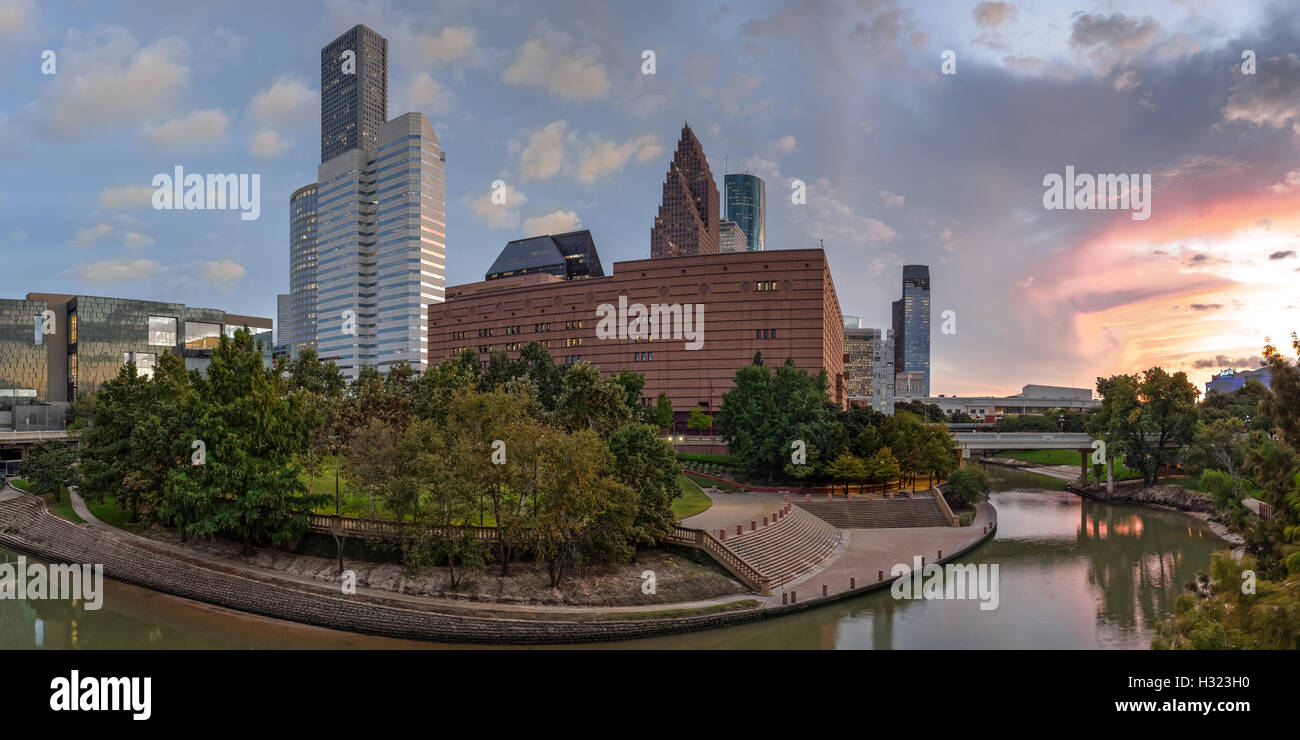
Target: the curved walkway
(26, 524)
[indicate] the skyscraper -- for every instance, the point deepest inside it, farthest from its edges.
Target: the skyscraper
(914, 311)
(382, 248)
(300, 332)
(689, 215)
(747, 206)
(283, 312)
(353, 92)
(882, 375)
(379, 219)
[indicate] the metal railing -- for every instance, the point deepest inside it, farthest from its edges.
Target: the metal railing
(733, 562)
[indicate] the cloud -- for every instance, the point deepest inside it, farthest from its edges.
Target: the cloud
(287, 102)
(130, 196)
(223, 271)
(893, 199)
(197, 128)
(1206, 306)
(988, 15)
(116, 271)
(548, 63)
(1289, 183)
(266, 142)
(136, 239)
(427, 93)
(784, 145)
(1026, 283)
(1281, 255)
(557, 222)
(1271, 97)
(599, 158)
(544, 155)
(451, 44)
(498, 216)
(86, 237)
(15, 17)
(1225, 361)
(106, 78)
(1114, 40)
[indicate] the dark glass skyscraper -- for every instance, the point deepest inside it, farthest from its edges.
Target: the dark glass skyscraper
(915, 315)
(747, 206)
(689, 214)
(353, 99)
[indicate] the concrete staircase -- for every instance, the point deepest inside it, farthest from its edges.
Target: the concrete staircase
(796, 544)
(877, 513)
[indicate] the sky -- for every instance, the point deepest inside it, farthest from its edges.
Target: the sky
(902, 163)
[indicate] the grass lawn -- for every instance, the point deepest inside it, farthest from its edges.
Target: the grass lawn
(690, 501)
(1068, 457)
(702, 481)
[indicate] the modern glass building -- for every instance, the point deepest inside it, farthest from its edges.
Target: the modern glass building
(381, 246)
(94, 336)
(915, 314)
(300, 330)
(570, 256)
(353, 104)
(747, 206)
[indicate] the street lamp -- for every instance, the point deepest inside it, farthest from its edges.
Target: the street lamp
(1062, 420)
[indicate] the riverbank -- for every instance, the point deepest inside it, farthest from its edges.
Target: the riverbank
(26, 525)
(1167, 497)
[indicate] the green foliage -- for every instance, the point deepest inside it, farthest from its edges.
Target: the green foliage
(661, 414)
(767, 410)
(1216, 614)
(48, 468)
(966, 485)
(699, 420)
(647, 465)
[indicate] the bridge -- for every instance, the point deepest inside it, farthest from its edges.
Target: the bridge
(966, 442)
(14, 446)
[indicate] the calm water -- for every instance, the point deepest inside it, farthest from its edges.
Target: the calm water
(1073, 574)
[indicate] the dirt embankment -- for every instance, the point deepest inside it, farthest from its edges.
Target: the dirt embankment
(1162, 496)
(676, 578)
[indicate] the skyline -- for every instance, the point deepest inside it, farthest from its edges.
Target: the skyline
(558, 109)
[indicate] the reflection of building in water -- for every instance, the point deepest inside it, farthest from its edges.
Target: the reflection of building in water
(1125, 526)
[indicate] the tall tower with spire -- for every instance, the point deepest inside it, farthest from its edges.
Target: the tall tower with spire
(689, 214)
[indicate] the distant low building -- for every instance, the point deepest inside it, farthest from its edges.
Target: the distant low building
(731, 238)
(1032, 399)
(1230, 380)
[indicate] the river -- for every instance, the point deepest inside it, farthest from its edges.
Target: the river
(1072, 574)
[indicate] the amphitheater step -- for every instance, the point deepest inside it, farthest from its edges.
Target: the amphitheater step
(877, 513)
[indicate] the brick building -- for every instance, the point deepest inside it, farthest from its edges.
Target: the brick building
(781, 303)
(689, 215)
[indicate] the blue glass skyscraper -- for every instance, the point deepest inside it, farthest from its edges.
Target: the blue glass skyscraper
(747, 206)
(915, 318)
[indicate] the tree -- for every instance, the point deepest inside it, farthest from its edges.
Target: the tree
(587, 402)
(444, 490)
(1219, 445)
(306, 372)
(882, 466)
(252, 432)
(661, 414)
(648, 466)
(372, 457)
(699, 420)
(48, 468)
(1169, 411)
(766, 411)
(967, 484)
(846, 467)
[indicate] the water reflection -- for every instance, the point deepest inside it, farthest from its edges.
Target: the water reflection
(1073, 574)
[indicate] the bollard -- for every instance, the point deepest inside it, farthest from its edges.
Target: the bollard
(740, 528)
(784, 596)
(940, 555)
(828, 496)
(823, 589)
(753, 525)
(880, 575)
(922, 560)
(764, 521)
(793, 597)
(722, 535)
(807, 497)
(853, 583)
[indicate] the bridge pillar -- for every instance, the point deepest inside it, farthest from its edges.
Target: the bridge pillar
(1083, 456)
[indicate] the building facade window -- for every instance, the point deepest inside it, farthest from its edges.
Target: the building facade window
(162, 331)
(201, 335)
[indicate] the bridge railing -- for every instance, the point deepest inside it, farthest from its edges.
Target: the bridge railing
(348, 526)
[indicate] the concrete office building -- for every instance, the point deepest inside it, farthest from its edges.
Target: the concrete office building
(780, 303)
(859, 363)
(283, 320)
(730, 238)
(353, 92)
(882, 374)
(300, 332)
(747, 207)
